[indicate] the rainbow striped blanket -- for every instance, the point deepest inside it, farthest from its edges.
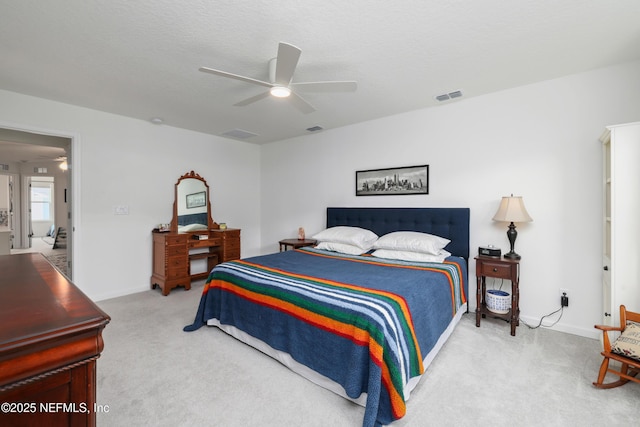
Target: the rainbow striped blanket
(363, 322)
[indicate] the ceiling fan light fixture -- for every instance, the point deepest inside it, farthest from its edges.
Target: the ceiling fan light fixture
(280, 91)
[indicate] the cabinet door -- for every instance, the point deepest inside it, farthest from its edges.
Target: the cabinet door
(607, 308)
(621, 227)
(608, 311)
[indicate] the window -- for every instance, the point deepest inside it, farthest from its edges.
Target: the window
(41, 201)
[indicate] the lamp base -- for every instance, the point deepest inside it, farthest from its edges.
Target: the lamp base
(512, 255)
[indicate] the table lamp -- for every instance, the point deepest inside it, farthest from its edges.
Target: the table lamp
(512, 210)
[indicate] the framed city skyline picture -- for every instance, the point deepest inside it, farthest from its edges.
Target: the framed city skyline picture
(393, 181)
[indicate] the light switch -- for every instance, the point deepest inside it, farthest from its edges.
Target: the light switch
(121, 210)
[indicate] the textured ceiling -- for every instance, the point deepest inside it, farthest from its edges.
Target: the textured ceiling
(141, 58)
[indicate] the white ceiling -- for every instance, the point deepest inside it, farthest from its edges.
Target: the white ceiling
(25, 147)
(141, 58)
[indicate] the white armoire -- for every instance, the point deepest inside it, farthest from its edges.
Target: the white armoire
(621, 220)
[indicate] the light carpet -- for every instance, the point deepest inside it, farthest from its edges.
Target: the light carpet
(59, 260)
(153, 373)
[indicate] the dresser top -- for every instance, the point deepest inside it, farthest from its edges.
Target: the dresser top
(38, 303)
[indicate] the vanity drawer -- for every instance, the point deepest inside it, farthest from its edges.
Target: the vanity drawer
(173, 251)
(175, 262)
(500, 271)
(233, 245)
(230, 255)
(206, 243)
(178, 271)
(175, 239)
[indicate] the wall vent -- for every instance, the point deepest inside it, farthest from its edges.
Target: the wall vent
(314, 128)
(448, 96)
(239, 134)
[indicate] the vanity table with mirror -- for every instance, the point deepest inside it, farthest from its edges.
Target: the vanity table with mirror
(192, 236)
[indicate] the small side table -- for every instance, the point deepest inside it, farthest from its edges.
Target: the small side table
(295, 243)
(499, 268)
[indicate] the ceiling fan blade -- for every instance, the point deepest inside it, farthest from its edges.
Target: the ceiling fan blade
(332, 86)
(235, 76)
(286, 63)
(252, 99)
(301, 104)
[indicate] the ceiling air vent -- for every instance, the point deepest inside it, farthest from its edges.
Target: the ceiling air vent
(314, 128)
(448, 96)
(239, 134)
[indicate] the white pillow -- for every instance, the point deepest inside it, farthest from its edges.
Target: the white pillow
(191, 227)
(412, 241)
(343, 248)
(354, 236)
(411, 256)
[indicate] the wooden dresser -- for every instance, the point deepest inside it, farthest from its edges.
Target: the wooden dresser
(50, 338)
(230, 248)
(173, 253)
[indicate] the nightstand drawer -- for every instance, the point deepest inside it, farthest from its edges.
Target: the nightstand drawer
(500, 271)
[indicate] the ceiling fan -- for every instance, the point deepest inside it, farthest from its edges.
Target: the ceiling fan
(281, 71)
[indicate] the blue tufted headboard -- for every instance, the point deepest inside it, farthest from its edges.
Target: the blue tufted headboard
(198, 218)
(450, 223)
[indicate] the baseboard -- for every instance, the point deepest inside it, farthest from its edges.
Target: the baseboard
(116, 294)
(568, 329)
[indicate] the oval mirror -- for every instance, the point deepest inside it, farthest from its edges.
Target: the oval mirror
(192, 206)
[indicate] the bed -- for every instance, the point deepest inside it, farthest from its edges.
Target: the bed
(361, 326)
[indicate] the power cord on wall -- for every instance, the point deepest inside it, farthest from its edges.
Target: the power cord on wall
(561, 310)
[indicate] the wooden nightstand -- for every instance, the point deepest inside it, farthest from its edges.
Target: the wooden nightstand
(295, 243)
(499, 268)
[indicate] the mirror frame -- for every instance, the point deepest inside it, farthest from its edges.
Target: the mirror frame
(211, 224)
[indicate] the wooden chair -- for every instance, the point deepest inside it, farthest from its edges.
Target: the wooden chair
(630, 367)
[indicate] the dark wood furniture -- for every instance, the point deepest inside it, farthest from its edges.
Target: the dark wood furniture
(498, 268)
(295, 243)
(184, 213)
(629, 367)
(170, 261)
(192, 235)
(50, 338)
(173, 253)
(230, 248)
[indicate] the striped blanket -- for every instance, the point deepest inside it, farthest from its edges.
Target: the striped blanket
(360, 321)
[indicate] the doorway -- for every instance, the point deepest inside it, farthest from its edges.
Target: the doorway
(43, 159)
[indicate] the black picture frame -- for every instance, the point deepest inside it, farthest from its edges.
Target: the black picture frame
(196, 200)
(404, 180)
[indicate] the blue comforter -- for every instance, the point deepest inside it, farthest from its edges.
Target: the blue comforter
(363, 322)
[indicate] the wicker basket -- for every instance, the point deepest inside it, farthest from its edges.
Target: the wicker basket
(498, 302)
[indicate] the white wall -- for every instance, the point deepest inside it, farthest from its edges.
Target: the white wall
(123, 161)
(538, 141)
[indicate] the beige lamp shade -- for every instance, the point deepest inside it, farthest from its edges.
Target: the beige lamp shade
(512, 210)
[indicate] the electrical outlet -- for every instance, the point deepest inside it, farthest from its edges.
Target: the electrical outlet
(564, 297)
